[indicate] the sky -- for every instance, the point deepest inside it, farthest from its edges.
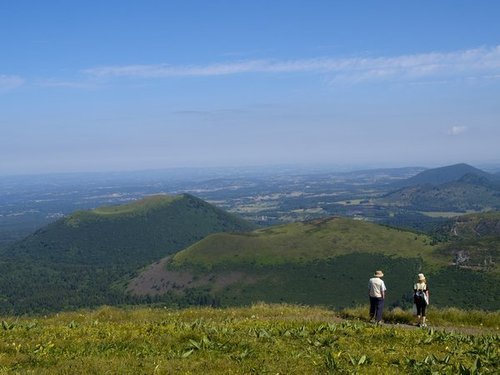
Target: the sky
(130, 85)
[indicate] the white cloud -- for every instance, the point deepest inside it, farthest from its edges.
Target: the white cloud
(479, 62)
(457, 129)
(164, 70)
(8, 83)
(67, 84)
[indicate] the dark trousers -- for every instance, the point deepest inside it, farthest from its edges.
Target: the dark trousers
(421, 308)
(376, 308)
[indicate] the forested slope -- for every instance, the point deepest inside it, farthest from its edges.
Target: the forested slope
(78, 260)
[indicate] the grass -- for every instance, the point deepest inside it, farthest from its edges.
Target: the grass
(320, 239)
(263, 339)
(457, 317)
(441, 214)
(445, 317)
(136, 206)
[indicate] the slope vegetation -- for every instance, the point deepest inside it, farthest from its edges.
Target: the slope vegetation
(303, 242)
(76, 261)
(473, 226)
(473, 241)
(326, 262)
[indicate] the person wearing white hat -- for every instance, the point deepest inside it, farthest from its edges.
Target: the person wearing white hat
(376, 292)
(421, 298)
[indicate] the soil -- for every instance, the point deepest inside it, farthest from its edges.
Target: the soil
(157, 280)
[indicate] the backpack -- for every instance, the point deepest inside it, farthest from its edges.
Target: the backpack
(419, 297)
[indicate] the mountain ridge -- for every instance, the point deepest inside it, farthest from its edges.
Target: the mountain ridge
(458, 188)
(441, 175)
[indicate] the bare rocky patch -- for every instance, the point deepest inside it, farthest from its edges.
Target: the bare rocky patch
(157, 279)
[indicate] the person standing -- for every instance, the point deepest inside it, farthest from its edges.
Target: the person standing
(421, 298)
(376, 292)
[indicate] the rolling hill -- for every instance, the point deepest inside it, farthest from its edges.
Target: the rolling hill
(471, 192)
(326, 262)
(442, 175)
(456, 188)
(78, 260)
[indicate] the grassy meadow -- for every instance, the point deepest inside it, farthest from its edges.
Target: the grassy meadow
(261, 339)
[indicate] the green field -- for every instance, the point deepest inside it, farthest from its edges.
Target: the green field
(262, 339)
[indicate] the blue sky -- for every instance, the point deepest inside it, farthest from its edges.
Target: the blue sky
(127, 85)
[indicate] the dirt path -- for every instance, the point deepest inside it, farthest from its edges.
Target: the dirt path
(452, 329)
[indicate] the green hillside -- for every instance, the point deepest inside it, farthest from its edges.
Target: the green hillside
(116, 255)
(77, 260)
(469, 193)
(454, 188)
(472, 241)
(486, 224)
(261, 339)
(323, 262)
(442, 175)
(304, 242)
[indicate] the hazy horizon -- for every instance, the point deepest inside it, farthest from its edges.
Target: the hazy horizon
(128, 86)
(214, 171)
